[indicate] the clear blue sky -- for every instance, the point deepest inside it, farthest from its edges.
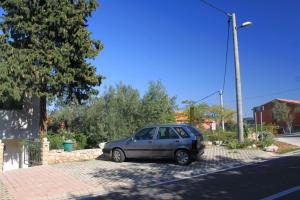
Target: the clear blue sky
(182, 43)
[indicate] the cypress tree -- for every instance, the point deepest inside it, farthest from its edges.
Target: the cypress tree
(45, 51)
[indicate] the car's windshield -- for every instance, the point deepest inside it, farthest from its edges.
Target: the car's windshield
(193, 130)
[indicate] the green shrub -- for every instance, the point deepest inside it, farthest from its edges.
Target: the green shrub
(56, 141)
(93, 140)
(81, 141)
(231, 126)
(67, 135)
(248, 129)
(226, 137)
(235, 144)
(265, 139)
(205, 137)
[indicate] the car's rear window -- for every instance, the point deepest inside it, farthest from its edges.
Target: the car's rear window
(195, 131)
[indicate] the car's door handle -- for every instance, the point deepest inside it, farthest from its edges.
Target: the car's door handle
(177, 141)
(149, 141)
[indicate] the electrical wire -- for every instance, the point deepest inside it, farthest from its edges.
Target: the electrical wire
(227, 44)
(226, 55)
(225, 66)
(206, 97)
(214, 7)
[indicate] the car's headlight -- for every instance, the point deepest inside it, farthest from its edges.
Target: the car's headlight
(103, 145)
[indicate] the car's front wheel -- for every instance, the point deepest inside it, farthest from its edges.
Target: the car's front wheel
(118, 155)
(182, 157)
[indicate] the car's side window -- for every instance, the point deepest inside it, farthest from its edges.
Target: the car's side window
(145, 134)
(166, 133)
(195, 131)
(182, 132)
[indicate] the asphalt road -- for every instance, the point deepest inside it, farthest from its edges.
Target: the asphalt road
(256, 181)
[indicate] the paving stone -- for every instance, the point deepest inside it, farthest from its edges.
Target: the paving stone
(4, 194)
(96, 177)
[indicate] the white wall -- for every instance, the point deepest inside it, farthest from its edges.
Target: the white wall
(20, 124)
(16, 125)
(13, 156)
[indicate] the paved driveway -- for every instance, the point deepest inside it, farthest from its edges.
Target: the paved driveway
(82, 179)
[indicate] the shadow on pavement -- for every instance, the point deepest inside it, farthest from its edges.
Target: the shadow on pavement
(141, 179)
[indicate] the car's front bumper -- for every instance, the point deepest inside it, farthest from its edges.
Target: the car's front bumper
(107, 153)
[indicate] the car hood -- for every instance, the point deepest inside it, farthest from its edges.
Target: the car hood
(116, 143)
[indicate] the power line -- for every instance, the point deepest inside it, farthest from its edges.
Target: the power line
(226, 55)
(225, 70)
(227, 45)
(206, 97)
(214, 7)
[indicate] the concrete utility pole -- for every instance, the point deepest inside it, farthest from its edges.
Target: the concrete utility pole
(222, 105)
(239, 103)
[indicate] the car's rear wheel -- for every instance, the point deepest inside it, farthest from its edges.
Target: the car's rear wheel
(118, 155)
(182, 157)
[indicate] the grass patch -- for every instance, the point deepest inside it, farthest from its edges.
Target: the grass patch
(285, 147)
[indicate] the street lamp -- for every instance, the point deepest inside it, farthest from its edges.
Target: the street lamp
(239, 103)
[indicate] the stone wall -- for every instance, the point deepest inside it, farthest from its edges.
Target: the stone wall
(60, 156)
(1, 155)
(45, 147)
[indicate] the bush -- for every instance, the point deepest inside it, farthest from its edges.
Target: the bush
(93, 140)
(266, 139)
(226, 137)
(205, 137)
(56, 141)
(231, 126)
(234, 144)
(67, 135)
(81, 141)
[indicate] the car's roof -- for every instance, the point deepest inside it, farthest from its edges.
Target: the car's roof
(155, 125)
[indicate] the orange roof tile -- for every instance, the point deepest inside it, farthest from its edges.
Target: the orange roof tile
(288, 101)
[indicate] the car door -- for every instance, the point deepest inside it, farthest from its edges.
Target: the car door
(140, 146)
(165, 143)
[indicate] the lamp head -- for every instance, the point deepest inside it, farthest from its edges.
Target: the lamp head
(246, 24)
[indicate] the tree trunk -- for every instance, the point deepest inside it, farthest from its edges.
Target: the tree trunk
(43, 116)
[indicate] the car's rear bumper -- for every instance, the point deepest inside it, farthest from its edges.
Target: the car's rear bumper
(197, 153)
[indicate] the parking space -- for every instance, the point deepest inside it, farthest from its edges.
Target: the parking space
(146, 173)
(95, 177)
